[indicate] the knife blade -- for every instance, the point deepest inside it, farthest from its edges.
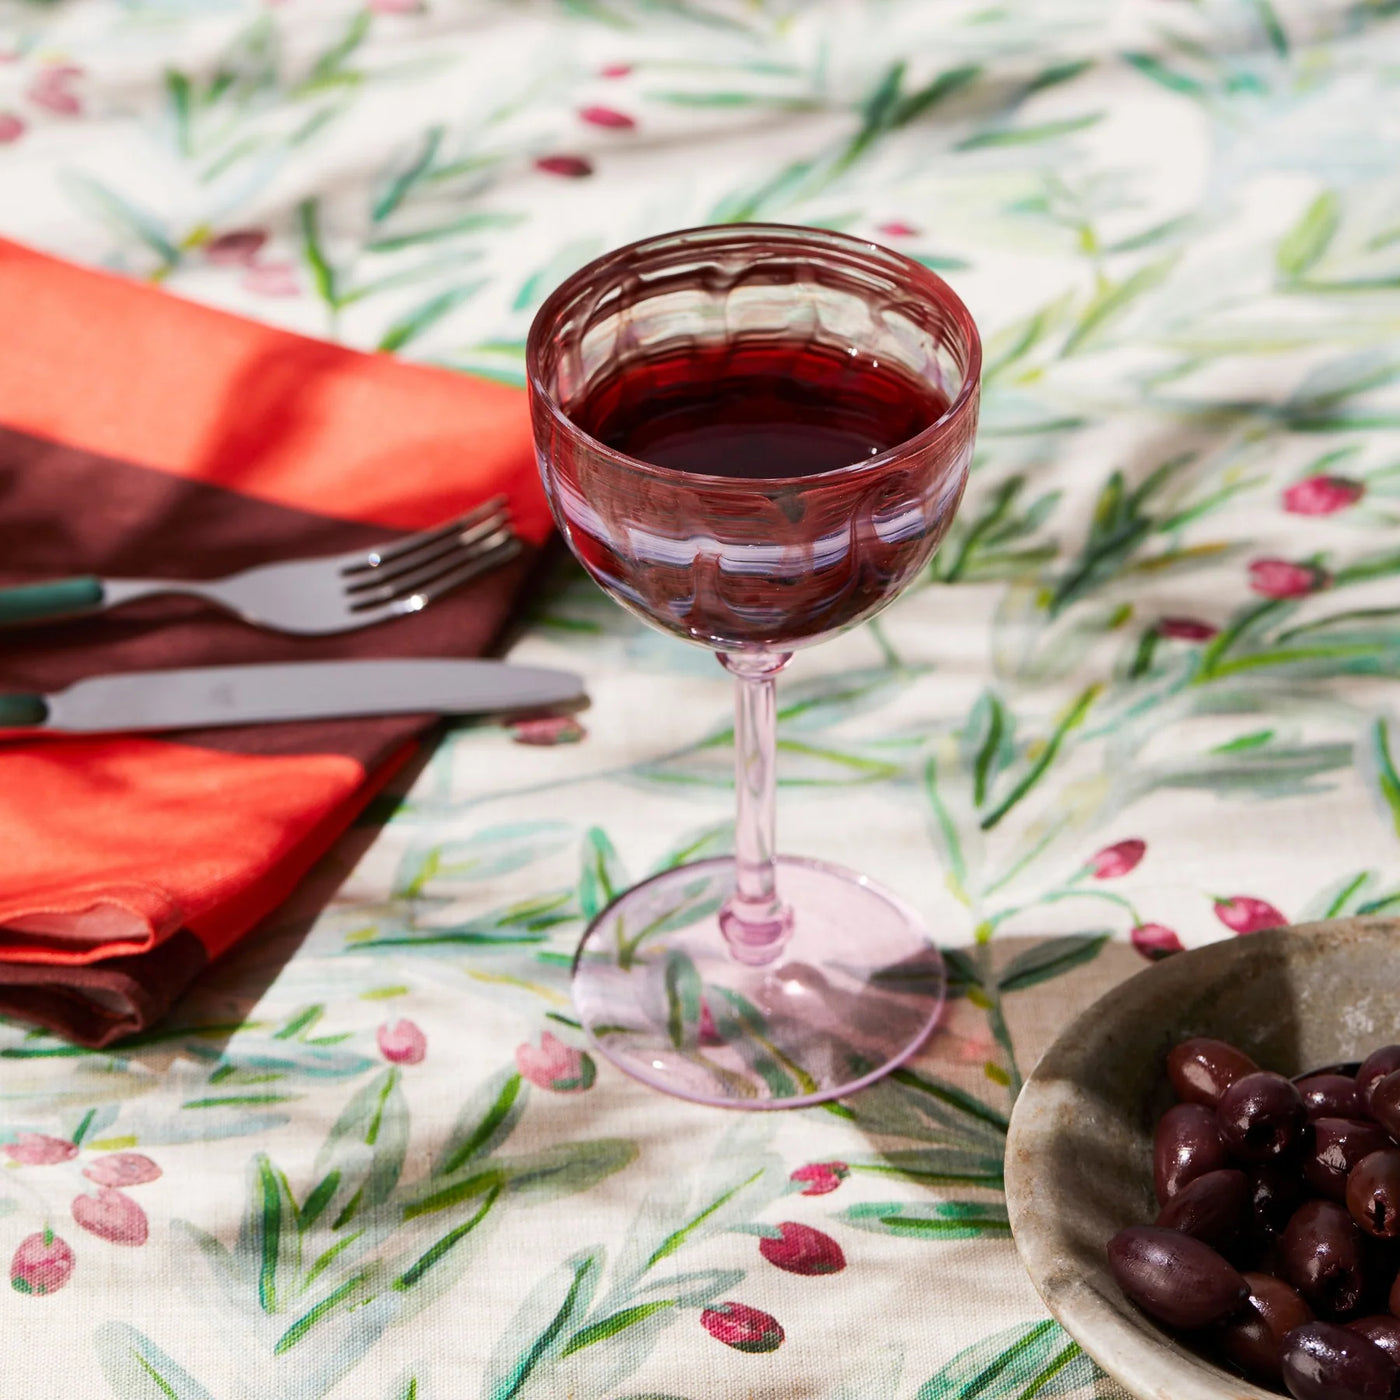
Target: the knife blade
(197, 697)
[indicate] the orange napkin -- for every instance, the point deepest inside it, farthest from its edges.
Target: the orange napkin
(144, 436)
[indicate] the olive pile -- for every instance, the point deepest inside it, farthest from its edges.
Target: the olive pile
(1277, 1246)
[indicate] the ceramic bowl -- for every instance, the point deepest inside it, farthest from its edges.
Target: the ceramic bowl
(1079, 1153)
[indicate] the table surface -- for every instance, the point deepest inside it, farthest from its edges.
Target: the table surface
(1146, 694)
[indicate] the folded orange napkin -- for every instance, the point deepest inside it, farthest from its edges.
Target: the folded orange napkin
(144, 436)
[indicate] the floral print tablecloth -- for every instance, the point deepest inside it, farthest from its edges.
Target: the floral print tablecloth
(1144, 698)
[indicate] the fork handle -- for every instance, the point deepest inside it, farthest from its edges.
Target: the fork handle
(38, 602)
(22, 711)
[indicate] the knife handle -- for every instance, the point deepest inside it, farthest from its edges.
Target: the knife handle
(21, 710)
(37, 602)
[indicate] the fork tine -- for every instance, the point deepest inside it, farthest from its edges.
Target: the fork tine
(492, 558)
(400, 585)
(412, 560)
(382, 554)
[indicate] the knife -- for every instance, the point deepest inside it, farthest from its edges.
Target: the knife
(199, 696)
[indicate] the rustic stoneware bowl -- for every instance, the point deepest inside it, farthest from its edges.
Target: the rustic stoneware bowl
(1079, 1154)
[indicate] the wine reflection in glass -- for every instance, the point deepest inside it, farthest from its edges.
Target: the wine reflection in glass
(754, 437)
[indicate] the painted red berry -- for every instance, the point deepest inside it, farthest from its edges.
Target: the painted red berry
(1281, 578)
(821, 1177)
(1244, 914)
(1186, 629)
(42, 1264)
(1322, 495)
(1156, 941)
(799, 1249)
(744, 1328)
(1118, 859)
(570, 167)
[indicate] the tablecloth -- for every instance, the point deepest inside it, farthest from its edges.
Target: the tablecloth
(1144, 699)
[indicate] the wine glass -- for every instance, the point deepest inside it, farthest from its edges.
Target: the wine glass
(754, 436)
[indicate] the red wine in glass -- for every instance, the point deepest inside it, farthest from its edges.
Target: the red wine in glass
(754, 437)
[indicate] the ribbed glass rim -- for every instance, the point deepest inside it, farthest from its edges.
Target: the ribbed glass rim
(919, 278)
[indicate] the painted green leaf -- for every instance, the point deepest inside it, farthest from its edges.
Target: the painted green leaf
(1029, 135)
(1048, 960)
(608, 1327)
(602, 876)
(709, 841)
(1272, 27)
(397, 187)
(930, 1220)
(135, 1368)
(695, 1288)
(485, 1121)
(1111, 301)
(565, 1168)
(367, 1146)
(1387, 778)
(553, 1306)
(126, 219)
(683, 999)
(323, 275)
(962, 972)
(437, 233)
(426, 315)
(934, 1166)
(1170, 78)
(268, 1250)
(1304, 244)
(1036, 1359)
(487, 854)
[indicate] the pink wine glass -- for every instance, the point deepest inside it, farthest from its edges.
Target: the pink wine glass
(754, 437)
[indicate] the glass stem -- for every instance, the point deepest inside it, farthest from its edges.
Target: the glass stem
(755, 921)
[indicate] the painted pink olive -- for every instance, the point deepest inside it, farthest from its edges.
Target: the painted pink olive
(1188, 1144)
(1373, 1193)
(1254, 1339)
(1322, 1254)
(1261, 1116)
(1211, 1208)
(1331, 1096)
(1201, 1069)
(1332, 1147)
(1384, 1102)
(1322, 1361)
(1382, 1329)
(1374, 1068)
(1174, 1278)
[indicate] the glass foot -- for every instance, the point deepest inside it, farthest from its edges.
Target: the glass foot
(852, 994)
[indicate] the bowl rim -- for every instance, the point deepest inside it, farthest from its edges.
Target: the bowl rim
(1128, 1354)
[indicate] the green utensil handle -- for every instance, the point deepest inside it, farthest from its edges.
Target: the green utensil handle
(35, 602)
(17, 711)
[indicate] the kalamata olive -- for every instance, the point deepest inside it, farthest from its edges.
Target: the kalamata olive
(1382, 1329)
(1210, 1208)
(1174, 1278)
(1188, 1144)
(1323, 1257)
(1201, 1069)
(1261, 1116)
(1373, 1193)
(1322, 1361)
(1393, 1301)
(1332, 1147)
(1384, 1102)
(1374, 1068)
(1254, 1339)
(1330, 1096)
(1275, 1192)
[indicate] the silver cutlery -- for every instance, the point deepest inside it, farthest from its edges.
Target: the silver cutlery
(310, 597)
(197, 697)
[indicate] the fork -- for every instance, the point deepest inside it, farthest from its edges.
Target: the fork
(309, 597)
